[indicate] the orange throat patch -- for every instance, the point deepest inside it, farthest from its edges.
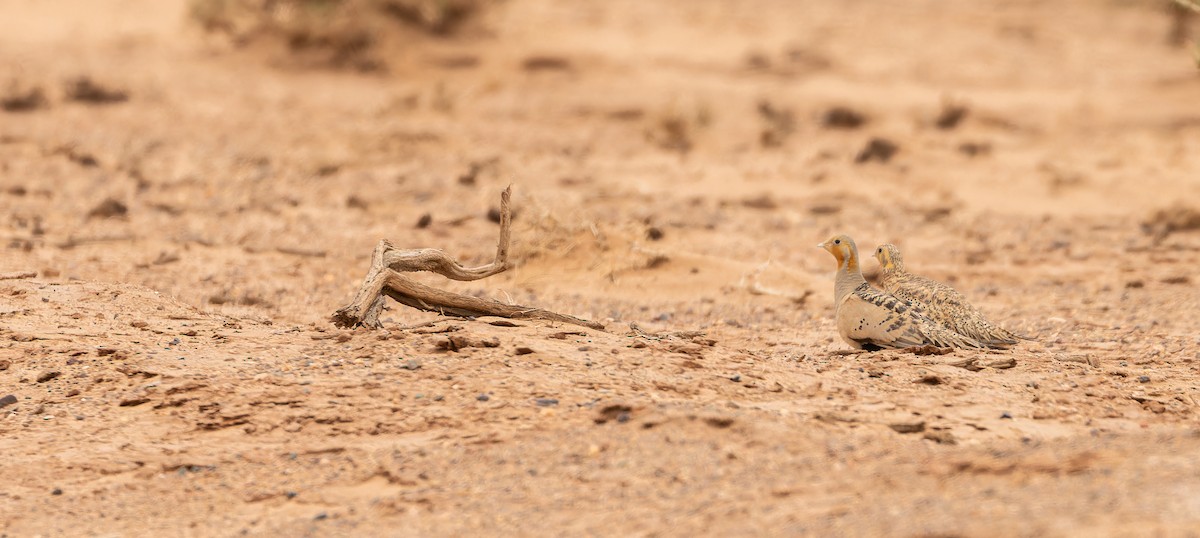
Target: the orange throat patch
(837, 255)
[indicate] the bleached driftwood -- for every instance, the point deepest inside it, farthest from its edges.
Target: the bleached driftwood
(385, 279)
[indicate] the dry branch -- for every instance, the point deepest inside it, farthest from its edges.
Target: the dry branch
(385, 279)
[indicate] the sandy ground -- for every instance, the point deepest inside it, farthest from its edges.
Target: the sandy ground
(173, 370)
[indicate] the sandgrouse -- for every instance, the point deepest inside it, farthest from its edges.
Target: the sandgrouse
(940, 302)
(871, 319)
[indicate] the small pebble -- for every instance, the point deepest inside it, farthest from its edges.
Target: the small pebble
(1144, 379)
(546, 402)
(1006, 414)
(736, 378)
(483, 397)
(411, 364)
(56, 491)
(320, 516)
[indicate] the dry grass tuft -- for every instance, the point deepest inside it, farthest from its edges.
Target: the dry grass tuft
(677, 127)
(543, 233)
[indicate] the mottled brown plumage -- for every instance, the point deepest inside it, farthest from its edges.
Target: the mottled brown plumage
(871, 319)
(940, 302)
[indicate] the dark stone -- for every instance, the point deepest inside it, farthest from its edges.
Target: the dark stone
(133, 402)
(32, 99)
(913, 426)
(843, 118)
(86, 90)
(877, 149)
(950, 117)
(109, 208)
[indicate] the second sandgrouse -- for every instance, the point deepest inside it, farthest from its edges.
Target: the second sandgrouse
(940, 302)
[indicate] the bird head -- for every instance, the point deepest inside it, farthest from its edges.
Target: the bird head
(843, 250)
(889, 258)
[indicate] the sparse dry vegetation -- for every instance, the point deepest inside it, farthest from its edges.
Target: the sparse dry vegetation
(335, 33)
(1182, 14)
(20, 99)
(677, 127)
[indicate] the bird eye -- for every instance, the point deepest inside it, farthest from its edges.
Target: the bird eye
(837, 241)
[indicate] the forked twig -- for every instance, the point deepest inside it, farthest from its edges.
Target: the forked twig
(385, 279)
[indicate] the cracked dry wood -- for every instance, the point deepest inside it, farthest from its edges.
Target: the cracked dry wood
(385, 279)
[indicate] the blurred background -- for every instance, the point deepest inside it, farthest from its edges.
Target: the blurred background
(246, 155)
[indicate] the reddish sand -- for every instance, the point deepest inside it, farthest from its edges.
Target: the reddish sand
(175, 373)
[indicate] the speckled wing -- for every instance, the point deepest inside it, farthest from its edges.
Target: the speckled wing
(871, 319)
(948, 307)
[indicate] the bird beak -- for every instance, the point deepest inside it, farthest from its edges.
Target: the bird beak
(820, 245)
